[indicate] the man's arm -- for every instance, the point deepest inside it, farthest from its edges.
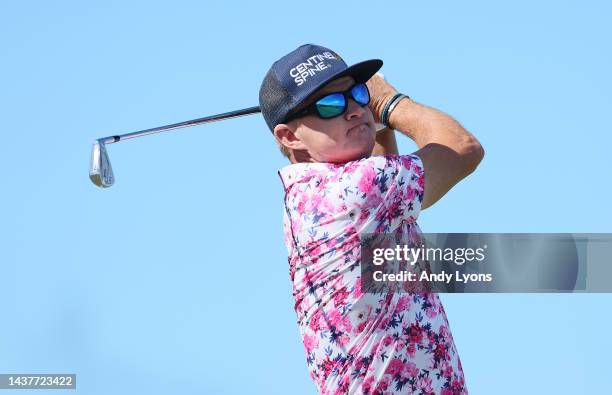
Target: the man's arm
(448, 151)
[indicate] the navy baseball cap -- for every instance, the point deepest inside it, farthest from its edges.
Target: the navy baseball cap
(299, 74)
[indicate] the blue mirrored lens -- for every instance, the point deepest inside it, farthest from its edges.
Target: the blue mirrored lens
(360, 94)
(331, 106)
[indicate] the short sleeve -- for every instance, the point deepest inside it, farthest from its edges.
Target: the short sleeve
(382, 192)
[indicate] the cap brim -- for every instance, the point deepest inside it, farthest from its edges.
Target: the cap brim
(361, 72)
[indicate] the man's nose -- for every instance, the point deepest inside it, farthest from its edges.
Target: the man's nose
(354, 110)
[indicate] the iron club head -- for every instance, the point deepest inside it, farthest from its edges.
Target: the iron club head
(100, 169)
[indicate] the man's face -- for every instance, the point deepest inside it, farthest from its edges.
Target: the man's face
(347, 137)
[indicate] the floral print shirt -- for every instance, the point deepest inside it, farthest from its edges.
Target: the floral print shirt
(354, 342)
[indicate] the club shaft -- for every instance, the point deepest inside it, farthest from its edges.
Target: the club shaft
(193, 122)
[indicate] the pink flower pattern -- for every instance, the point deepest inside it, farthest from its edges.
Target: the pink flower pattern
(354, 342)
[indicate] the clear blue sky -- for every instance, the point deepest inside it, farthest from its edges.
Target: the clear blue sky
(176, 281)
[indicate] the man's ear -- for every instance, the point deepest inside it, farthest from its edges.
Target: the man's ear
(286, 136)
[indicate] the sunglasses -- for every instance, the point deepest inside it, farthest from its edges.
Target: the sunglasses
(335, 104)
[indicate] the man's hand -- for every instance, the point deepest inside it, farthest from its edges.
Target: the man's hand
(380, 93)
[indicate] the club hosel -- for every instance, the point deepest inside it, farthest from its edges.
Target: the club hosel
(109, 140)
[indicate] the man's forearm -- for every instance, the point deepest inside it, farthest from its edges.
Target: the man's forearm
(426, 125)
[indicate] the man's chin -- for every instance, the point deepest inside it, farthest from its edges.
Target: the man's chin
(354, 155)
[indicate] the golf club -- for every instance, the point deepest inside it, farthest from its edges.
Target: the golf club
(100, 169)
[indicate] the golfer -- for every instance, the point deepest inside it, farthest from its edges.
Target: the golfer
(346, 179)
